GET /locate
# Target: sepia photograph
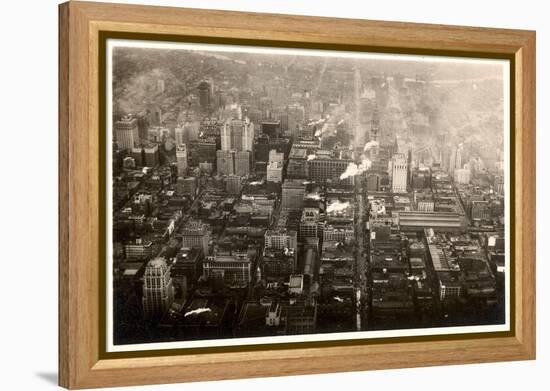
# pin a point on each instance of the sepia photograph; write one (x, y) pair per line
(262, 195)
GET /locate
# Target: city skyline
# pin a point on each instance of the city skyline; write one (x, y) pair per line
(303, 194)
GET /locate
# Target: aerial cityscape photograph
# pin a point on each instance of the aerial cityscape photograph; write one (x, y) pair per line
(265, 192)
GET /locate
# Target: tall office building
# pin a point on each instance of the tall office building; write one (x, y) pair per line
(242, 163)
(152, 155)
(276, 157)
(399, 173)
(499, 184)
(187, 131)
(147, 154)
(282, 117)
(158, 291)
(181, 158)
(297, 163)
(225, 163)
(237, 135)
(138, 250)
(205, 95)
(281, 239)
(309, 223)
(235, 270)
(455, 159)
(189, 186)
(462, 176)
(233, 162)
(196, 234)
(233, 184)
(237, 139)
(459, 157)
(293, 194)
(186, 186)
(296, 116)
(127, 133)
(274, 172)
(271, 128)
(329, 166)
(180, 135)
(200, 151)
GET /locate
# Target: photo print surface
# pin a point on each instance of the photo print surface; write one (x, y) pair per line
(263, 195)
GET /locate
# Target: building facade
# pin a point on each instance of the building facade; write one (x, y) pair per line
(233, 162)
(462, 176)
(127, 133)
(196, 234)
(158, 291)
(399, 173)
(233, 184)
(237, 135)
(181, 159)
(234, 270)
(281, 239)
(274, 172)
(138, 250)
(293, 194)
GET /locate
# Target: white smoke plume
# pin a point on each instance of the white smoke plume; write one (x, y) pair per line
(310, 157)
(313, 196)
(337, 206)
(197, 311)
(351, 170)
(354, 169)
(364, 166)
(370, 145)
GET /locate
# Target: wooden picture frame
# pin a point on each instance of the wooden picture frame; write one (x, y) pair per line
(81, 361)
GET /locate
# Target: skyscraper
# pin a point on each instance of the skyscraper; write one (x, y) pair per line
(462, 176)
(152, 155)
(274, 172)
(272, 128)
(399, 173)
(281, 239)
(455, 159)
(200, 151)
(242, 163)
(459, 156)
(180, 135)
(237, 135)
(233, 184)
(233, 162)
(158, 291)
(276, 157)
(181, 158)
(126, 132)
(205, 95)
(296, 115)
(196, 234)
(187, 131)
(225, 162)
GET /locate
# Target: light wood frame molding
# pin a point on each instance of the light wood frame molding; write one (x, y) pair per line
(80, 364)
